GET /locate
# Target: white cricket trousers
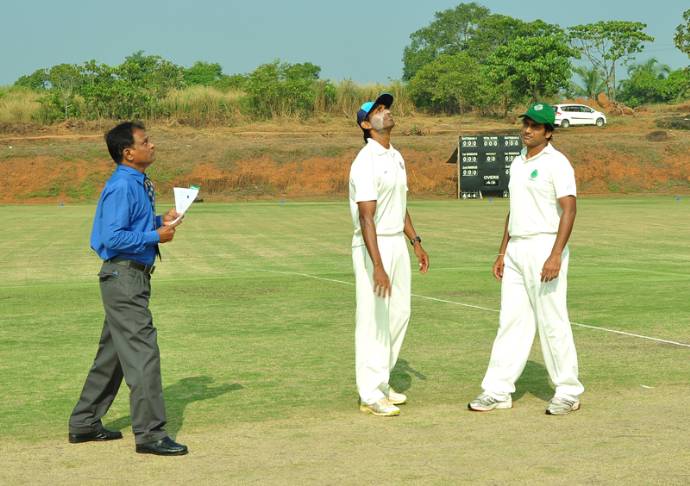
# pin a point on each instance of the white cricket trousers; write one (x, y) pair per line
(381, 323)
(527, 304)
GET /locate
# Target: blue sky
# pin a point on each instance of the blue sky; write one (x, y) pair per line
(358, 39)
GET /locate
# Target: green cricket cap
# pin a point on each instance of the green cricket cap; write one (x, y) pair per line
(541, 113)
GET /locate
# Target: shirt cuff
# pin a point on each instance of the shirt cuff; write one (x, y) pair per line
(151, 237)
(159, 221)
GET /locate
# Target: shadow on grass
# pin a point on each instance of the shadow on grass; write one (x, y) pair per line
(178, 396)
(401, 376)
(534, 380)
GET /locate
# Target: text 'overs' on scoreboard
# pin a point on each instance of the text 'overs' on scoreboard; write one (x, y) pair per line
(484, 164)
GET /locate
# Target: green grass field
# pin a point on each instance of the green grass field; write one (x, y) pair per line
(254, 305)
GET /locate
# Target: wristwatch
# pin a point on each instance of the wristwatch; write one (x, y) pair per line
(415, 239)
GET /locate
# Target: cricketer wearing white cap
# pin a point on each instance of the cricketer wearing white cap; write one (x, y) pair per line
(378, 203)
(532, 265)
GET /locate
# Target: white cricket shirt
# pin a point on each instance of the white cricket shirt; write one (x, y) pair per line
(535, 186)
(378, 174)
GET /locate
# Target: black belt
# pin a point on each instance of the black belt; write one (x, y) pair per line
(132, 264)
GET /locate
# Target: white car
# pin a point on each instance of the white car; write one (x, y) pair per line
(573, 114)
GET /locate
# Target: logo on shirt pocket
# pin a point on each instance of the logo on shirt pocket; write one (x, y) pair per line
(533, 176)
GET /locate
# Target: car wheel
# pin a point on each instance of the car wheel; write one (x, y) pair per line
(565, 123)
(600, 122)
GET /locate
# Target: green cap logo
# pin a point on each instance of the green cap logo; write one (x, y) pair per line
(541, 113)
(534, 174)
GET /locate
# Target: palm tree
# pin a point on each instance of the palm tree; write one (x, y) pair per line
(592, 83)
(650, 66)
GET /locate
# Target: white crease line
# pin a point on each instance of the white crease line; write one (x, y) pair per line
(586, 326)
(658, 340)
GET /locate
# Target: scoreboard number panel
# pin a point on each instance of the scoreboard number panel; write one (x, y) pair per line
(484, 164)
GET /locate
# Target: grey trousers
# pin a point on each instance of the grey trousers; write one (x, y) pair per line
(128, 348)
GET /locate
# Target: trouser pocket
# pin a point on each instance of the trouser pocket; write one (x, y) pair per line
(104, 275)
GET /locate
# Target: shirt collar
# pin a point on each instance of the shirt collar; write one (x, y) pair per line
(127, 170)
(377, 147)
(546, 151)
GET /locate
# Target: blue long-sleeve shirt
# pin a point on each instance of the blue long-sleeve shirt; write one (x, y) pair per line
(125, 224)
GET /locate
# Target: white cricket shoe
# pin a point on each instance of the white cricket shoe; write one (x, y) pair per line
(562, 406)
(396, 398)
(380, 408)
(485, 403)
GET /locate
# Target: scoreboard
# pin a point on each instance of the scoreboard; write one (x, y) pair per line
(484, 164)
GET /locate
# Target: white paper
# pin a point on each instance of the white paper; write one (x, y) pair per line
(184, 197)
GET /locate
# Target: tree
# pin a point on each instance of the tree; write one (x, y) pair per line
(38, 80)
(97, 89)
(592, 82)
(283, 89)
(153, 73)
(678, 85)
(530, 68)
(682, 37)
(65, 82)
(652, 82)
(496, 30)
(449, 33)
(605, 43)
(450, 83)
(203, 73)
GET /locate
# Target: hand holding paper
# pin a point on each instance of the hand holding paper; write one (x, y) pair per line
(183, 199)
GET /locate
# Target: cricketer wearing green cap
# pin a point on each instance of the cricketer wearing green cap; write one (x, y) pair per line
(532, 265)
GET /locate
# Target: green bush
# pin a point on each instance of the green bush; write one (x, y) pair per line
(449, 84)
(651, 82)
(284, 89)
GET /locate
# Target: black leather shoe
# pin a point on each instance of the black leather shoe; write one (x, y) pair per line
(164, 447)
(98, 435)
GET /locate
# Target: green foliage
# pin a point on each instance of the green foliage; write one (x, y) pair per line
(203, 73)
(233, 82)
(150, 87)
(468, 28)
(530, 68)
(605, 43)
(284, 89)
(91, 90)
(211, 74)
(151, 74)
(682, 36)
(497, 30)
(59, 105)
(38, 80)
(678, 85)
(451, 83)
(591, 82)
(447, 34)
(460, 61)
(651, 82)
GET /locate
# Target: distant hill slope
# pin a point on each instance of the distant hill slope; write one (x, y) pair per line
(312, 159)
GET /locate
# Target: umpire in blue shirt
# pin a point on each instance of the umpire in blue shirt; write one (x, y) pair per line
(126, 234)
